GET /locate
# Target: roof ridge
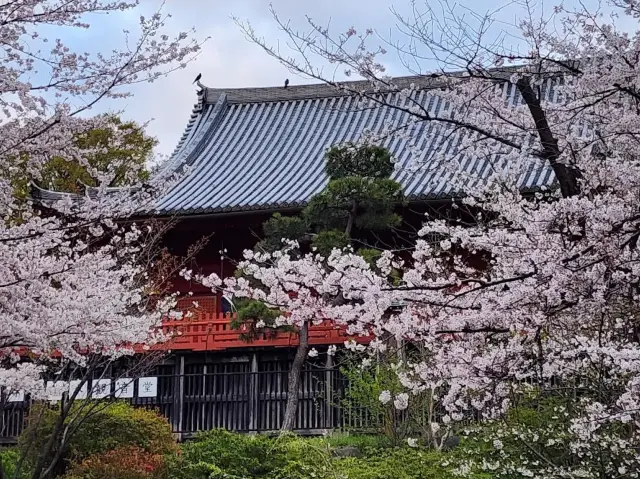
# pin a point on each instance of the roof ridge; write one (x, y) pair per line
(312, 90)
(335, 89)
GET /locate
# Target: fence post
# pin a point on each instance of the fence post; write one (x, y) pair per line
(254, 390)
(178, 396)
(328, 392)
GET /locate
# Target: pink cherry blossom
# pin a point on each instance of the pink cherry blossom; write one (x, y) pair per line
(73, 279)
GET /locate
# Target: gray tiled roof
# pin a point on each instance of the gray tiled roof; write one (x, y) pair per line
(263, 148)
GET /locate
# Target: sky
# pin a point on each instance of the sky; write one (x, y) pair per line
(228, 60)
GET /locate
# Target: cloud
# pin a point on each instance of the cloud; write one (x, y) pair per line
(228, 59)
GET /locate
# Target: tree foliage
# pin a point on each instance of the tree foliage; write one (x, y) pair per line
(120, 150)
(116, 154)
(103, 428)
(355, 160)
(359, 194)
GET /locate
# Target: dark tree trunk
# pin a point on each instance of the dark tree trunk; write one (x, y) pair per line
(352, 217)
(294, 379)
(567, 175)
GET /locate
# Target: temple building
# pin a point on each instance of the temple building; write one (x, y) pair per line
(248, 153)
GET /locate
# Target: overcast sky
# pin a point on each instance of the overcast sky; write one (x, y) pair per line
(229, 60)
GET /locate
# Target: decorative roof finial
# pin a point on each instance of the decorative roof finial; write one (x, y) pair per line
(197, 78)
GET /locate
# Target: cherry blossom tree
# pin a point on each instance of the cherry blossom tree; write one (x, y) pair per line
(74, 279)
(551, 308)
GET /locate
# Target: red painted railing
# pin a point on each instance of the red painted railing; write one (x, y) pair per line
(213, 332)
(208, 330)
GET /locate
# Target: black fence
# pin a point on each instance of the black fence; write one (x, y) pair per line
(243, 401)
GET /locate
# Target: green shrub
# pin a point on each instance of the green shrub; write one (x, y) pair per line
(10, 458)
(225, 455)
(361, 441)
(103, 427)
(221, 454)
(394, 463)
(218, 453)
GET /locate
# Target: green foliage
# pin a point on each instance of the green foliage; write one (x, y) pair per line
(326, 241)
(126, 157)
(256, 310)
(395, 463)
(103, 428)
(10, 458)
(221, 454)
(280, 227)
(250, 313)
(349, 159)
(370, 255)
(127, 462)
(362, 403)
(362, 398)
(226, 455)
(214, 453)
(360, 441)
(370, 202)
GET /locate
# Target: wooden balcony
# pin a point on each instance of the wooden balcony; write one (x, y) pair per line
(208, 330)
(213, 332)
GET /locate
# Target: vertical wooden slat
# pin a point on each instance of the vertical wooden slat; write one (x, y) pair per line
(203, 396)
(254, 385)
(328, 393)
(177, 395)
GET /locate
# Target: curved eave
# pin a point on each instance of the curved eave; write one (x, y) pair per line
(297, 206)
(43, 194)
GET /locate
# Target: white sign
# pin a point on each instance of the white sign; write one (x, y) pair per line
(17, 396)
(55, 390)
(147, 387)
(101, 388)
(124, 388)
(75, 386)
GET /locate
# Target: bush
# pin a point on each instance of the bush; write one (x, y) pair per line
(10, 458)
(360, 441)
(129, 462)
(395, 463)
(221, 454)
(213, 452)
(103, 427)
(225, 455)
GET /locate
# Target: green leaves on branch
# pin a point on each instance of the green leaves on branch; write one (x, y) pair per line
(280, 227)
(360, 195)
(369, 202)
(349, 159)
(326, 241)
(256, 318)
(125, 151)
